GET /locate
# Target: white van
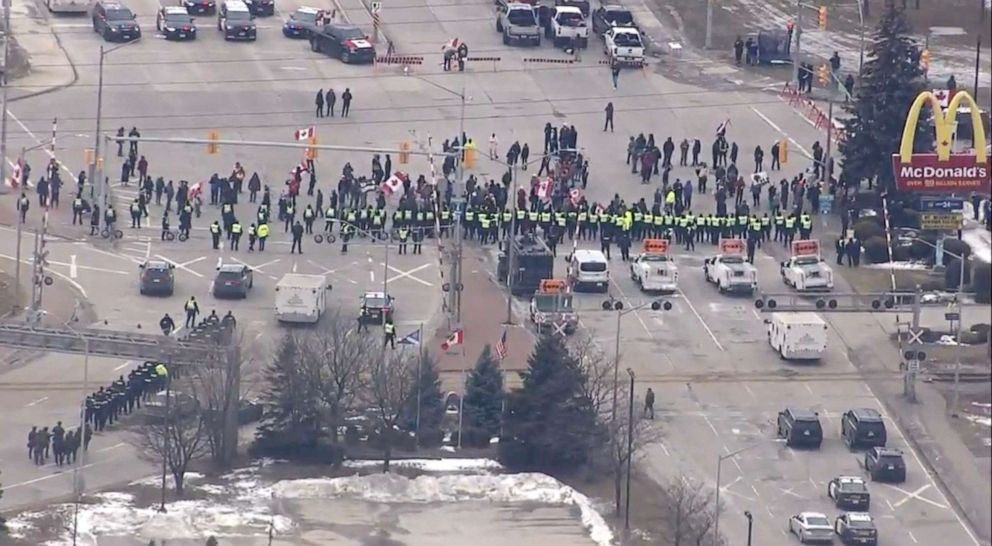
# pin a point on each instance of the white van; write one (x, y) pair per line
(301, 298)
(588, 269)
(797, 336)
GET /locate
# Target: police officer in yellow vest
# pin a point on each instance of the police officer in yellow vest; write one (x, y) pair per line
(309, 215)
(404, 235)
(236, 230)
(485, 223)
(263, 233)
(805, 226)
(790, 230)
(215, 234)
(389, 329)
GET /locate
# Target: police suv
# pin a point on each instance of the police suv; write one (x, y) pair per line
(236, 21)
(175, 23)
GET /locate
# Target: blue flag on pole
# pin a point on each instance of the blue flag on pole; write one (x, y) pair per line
(413, 338)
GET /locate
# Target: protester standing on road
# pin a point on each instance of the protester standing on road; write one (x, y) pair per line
(329, 99)
(120, 142)
(320, 103)
(609, 117)
(297, 245)
(133, 135)
(346, 102)
(649, 403)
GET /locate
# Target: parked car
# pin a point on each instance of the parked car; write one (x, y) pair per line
(609, 16)
(115, 22)
(849, 492)
(233, 280)
(856, 528)
(885, 464)
(346, 42)
(811, 527)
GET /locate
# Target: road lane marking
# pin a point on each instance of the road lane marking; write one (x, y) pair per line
(219, 262)
(46, 144)
(55, 272)
(779, 129)
(109, 448)
(124, 365)
(912, 537)
(916, 495)
(73, 272)
(36, 402)
(701, 321)
(408, 274)
(50, 476)
(294, 266)
(183, 266)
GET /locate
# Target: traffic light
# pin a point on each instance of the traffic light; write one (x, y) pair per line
(822, 17)
(404, 152)
(925, 60)
(783, 151)
(824, 75)
(213, 148)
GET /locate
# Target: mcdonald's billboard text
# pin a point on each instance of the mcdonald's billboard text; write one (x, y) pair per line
(927, 173)
(942, 171)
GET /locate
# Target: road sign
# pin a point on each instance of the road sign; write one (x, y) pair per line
(915, 336)
(376, 7)
(951, 317)
(941, 204)
(949, 221)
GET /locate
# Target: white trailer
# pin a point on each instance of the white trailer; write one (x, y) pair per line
(797, 336)
(68, 6)
(301, 298)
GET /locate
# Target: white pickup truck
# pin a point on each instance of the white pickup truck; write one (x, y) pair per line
(569, 27)
(805, 270)
(654, 270)
(729, 271)
(623, 46)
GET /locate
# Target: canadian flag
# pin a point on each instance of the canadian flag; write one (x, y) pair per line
(455, 338)
(305, 134)
(544, 188)
(394, 183)
(575, 196)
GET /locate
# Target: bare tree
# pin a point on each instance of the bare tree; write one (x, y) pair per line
(688, 514)
(218, 387)
(181, 437)
(340, 358)
(390, 380)
(599, 370)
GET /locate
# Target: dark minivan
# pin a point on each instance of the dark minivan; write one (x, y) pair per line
(863, 427)
(800, 427)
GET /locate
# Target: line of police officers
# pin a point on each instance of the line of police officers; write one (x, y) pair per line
(121, 397)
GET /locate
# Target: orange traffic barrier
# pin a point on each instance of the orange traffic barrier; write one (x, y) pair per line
(399, 59)
(553, 61)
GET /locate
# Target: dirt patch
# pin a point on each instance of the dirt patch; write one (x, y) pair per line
(9, 300)
(868, 280)
(974, 422)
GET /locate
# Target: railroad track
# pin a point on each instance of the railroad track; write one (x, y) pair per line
(786, 376)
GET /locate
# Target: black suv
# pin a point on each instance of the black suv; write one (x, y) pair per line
(885, 464)
(346, 42)
(156, 277)
(236, 22)
(800, 427)
(115, 22)
(196, 7)
(261, 7)
(862, 427)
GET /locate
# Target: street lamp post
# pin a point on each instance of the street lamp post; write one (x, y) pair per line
(617, 306)
(96, 170)
(719, 470)
(630, 449)
(750, 525)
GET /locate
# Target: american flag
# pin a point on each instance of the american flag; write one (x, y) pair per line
(501, 346)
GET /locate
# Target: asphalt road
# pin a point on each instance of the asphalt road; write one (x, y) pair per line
(264, 91)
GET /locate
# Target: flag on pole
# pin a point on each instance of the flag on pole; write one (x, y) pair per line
(722, 128)
(456, 337)
(413, 338)
(306, 133)
(501, 346)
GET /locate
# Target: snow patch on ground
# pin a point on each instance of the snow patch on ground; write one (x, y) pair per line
(947, 340)
(979, 420)
(914, 266)
(433, 465)
(156, 480)
(979, 241)
(509, 488)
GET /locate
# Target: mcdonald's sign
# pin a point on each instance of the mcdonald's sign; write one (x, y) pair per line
(942, 171)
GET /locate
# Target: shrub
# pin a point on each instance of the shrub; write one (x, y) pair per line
(953, 274)
(876, 250)
(431, 438)
(351, 435)
(981, 332)
(981, 282)
(868, 228)
(902, 254)
(906, 218)
(921, 251)
(971, 338)
(475, 437)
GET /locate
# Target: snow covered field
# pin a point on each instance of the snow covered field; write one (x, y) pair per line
(450, 500)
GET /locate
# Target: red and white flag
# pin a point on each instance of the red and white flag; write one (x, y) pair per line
(722, 128)
(575, 196)
(305, 134)
(544, 188)
(394, 183)
(455, 338)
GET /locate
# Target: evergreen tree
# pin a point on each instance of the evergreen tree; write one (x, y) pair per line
(431, 402)
(292, 404)
(483, 404)
(891, 80)
(550, 424)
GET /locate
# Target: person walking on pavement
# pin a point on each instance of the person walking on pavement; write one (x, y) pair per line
(320, 103)
(263, 234)
(167, 324)
(759, 159)
(609, 117)
(133, 135)
(297, 238)
(32, 435)
(363, 315)
(192, 309)
(346, 102)
(615, 74)
(120, 142)
(236, 230)
(738, 50)
(23, 204)
(215, 231)
(649, 404)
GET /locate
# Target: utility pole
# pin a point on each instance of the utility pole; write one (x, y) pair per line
(912, 356)
(96, 170)
(510, 240)
(709, 24)
(830, 132)
(796, 57)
